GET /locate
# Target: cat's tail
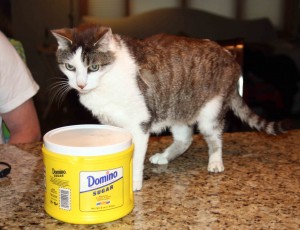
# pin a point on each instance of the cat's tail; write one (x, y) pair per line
(242, 110)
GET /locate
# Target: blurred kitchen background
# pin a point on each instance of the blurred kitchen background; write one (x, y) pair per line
(264, 34)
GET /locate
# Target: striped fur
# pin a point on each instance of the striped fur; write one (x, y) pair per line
(242, 110)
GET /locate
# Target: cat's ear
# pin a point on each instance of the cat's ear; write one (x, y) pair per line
(63, 37)
(104, 39)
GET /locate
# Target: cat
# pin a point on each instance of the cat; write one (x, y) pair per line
(146, 86)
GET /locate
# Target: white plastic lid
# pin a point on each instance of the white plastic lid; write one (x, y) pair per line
(87, 140)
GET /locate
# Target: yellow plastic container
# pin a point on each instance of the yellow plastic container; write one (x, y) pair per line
(88, 173)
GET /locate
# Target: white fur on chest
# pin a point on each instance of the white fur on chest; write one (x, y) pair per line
(117, 100)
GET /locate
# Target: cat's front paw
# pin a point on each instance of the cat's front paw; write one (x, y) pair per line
(137, 185)
(159, 159)
(215, 167)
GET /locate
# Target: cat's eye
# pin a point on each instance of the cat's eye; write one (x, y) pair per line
(70, 67)
(94, 68)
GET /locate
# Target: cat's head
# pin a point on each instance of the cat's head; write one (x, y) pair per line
(84, 55)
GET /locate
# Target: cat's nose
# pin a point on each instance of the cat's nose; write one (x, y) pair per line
(81, 86)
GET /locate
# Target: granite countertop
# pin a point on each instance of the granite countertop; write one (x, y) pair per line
(260, 188)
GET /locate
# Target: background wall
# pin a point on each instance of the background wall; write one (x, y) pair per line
(226, 8)
(273, 9)
(138, 7)
(107, 9)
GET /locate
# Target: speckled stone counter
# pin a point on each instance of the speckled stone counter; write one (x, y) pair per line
(260, 188)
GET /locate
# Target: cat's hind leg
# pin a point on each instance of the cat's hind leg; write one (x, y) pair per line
(211, 124)
(182, 135)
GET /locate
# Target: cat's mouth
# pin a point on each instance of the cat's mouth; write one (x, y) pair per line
(83, 91)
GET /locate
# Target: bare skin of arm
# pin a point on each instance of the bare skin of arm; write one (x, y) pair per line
(23, 123)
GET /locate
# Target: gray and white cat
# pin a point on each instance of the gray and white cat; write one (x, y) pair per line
(147, 85)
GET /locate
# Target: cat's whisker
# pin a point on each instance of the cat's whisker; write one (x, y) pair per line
(56, 79)
(58, 91)
(61, 94)
(56, 86)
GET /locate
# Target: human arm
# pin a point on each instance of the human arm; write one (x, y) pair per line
(23, 123)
